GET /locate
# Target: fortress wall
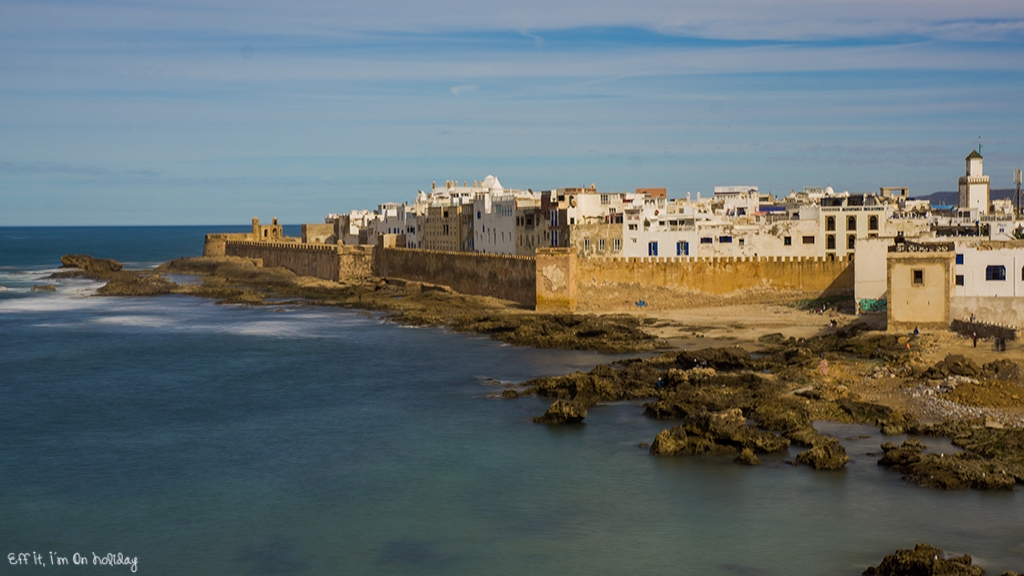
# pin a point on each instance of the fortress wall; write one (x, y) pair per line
(500, 275)
(215, 243)
(317, 260)
(602, 283)
(355, 262)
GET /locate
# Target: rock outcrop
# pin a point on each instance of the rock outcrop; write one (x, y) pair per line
(716, 433)
(952, 365)
(924, 560)
(948, 471)
(44, 288)
(133, 284)
(90, 265)
(563, 412)
(826, 453)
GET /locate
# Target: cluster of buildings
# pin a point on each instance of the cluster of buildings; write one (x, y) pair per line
(978, 236)
(735, 221)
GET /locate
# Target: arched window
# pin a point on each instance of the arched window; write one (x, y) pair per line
(873, 223)
(830, 242)
(851, 223)
(830, 223)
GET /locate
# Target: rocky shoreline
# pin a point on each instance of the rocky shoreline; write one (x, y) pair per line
(719, 400)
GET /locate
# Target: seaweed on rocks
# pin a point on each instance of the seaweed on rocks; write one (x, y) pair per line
(716, 433)
(826, 453)
(563, 412)
(947, 471)
(924, 560)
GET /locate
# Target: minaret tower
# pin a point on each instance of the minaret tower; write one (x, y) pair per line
(974, 187)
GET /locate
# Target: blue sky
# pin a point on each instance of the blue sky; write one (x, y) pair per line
(212, 112)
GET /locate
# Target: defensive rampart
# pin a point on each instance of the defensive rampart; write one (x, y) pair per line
(317, 260)
(500, 275)
(567, 282)
(215, 244)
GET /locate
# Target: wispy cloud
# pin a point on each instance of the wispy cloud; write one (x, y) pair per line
(457, 90)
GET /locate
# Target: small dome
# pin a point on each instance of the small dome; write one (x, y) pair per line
(829, 190)
(492, 184)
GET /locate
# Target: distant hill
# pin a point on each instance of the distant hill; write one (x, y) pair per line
(951, 198)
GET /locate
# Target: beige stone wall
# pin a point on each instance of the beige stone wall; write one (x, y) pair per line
(556, 272)
(923, 304)
(499, 275)
(318, 234)
(994, 310)
(355, 262)
(215, 243)
(319, 261)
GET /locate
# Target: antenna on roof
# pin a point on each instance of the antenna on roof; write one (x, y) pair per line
(979, 144)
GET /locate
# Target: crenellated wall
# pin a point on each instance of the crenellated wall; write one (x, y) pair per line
(555, 279)
(603, 283)
(317, 260)
(500, 275)
(214, 244)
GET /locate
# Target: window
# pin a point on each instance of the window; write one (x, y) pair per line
(873, 223)
(725, 239)
(851, 222)
(586, 243)
(600, 244)
(706, 240)
(605, 199)
(617, 244)
(959, 279)
(808, 239)
(787, 241)
(554, 236)
(554, 218)
(959, 258)
(682, 248)
(851, 241)
(830, 242)
(572, 221)
(830, 223)
(652, 248)
(477, 214)
(918, 277)
(632, 226)
(995, 273)
(741, 242)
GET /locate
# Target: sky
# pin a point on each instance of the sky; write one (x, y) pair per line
(129, 112)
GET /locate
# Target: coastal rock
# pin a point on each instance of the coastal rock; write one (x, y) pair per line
(947, 471)
(825, 454)
(562, 412)
(44, 288)
(924, 560)
(748, 457)
(90, 265)
(128, 284)
(903, 457)
(716, 433)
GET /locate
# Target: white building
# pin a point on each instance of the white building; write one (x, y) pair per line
(975, 193)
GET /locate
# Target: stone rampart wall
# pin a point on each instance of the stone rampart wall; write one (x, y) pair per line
(317, 260)
(215, 243)
(604, 283)
(355, 262)
(500, 275)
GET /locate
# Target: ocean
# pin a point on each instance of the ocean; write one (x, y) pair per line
(196, 438)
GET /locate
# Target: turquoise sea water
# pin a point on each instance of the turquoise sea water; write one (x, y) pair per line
(206, 439)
